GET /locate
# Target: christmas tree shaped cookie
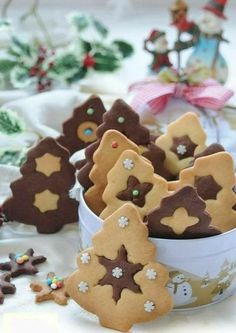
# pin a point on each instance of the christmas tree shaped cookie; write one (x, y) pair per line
(115, 280)
(184, 139)
(41, 196)
(112, 145)
(214, 178)
(124, 119)
(132, 179)
(181, 215)
(80, 130)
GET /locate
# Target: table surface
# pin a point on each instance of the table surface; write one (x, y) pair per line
(62, 247)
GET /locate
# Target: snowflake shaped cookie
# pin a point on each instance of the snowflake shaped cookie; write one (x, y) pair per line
(128, 164)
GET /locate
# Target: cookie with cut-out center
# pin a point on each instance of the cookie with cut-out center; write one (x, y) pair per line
(115, 280)
(182, 215)
(111, 146)
(213, 177)
(184, 139)
(52, 290)
(132, 179)
(80, 130)
(41, 196)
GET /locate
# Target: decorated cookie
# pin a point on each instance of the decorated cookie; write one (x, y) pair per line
(22, 263)
(112, 145)
(132, 179)
(122, 118)
(6, 287)
(47, 177)
(184, 139)
(181, 215)
(115, 280)
(157, 157)
(213, 177)
(80, 130)
(53, 289)
(210, 150)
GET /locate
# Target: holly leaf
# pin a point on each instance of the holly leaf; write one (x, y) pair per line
(19, 77)
(79, 75)
(100, 28)
(79, 21)
(106, 62)
(6, 65)
(13, 157)
(124, 48)
(19, 48)
(65, 66)
(10, 122)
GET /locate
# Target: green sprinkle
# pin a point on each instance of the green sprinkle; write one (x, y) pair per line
(121, 120)
(90, 111)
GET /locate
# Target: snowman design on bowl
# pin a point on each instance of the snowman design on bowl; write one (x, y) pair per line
(180, 289)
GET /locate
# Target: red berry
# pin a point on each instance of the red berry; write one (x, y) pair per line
(89, 61)
(42, 73)
(33, 71)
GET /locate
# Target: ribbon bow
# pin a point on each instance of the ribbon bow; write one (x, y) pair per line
(209, 94)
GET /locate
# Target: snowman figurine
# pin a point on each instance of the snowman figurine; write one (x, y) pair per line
(207, 46)
(157, 45)
(180, 289)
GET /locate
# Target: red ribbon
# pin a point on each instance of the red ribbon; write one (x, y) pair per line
(210, 95)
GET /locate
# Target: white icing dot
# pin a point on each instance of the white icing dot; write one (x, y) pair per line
(83, 287)
(151, 274)
(123, 221)
(53, 286)
(128, 164)
(85, 258)
(149, 306)
(117, 272)
(181, 149)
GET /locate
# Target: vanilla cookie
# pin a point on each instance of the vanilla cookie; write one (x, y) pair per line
(213, 177)
(184, 139)
(115, 280)
(132, 179)
(111, 146)
(182, 215)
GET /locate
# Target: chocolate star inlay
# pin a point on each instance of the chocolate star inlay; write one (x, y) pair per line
(24, 268)
(207, 187)
(5, 286)
(135, 191)
(183, 147)
(126, 280)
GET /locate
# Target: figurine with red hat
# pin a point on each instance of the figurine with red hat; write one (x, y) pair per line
(207, 47)
(157, 45)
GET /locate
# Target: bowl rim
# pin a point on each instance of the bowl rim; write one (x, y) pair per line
(211, 239)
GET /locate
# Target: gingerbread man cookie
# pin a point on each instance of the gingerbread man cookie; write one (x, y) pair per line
(115, 280)
(112, 145)
(181, 215)
(22, 264)
(80, 130)
(6, 287)
(124, 119)
(136, 183)
(213, 177)
(184, 139)
(53, 289)
(47, 177)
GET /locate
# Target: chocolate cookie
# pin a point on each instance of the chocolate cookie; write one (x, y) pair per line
(181, 215)
(47, 177)
(80, 130)
(22, 264)
(5, 286)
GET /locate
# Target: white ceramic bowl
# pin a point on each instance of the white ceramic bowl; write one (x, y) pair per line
(202, 271)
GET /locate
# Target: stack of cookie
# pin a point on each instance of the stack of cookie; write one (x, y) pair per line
(176, 182)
